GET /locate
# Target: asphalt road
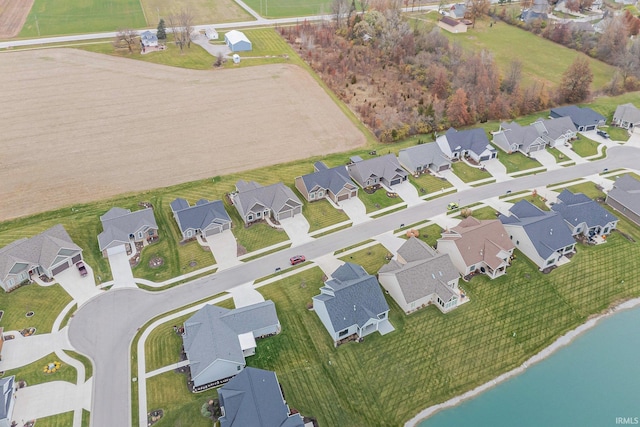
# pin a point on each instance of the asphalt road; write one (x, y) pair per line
(104, 326)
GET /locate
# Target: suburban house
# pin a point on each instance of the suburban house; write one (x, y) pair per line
(211, 33)
(351, 304)
(148, 39)
(452, 25)
(423, 158)
(45, 254)
(377, 171)
(556, 131)
(420, 276)
(458, 10)
(626, 116)
(332, 183)
(478, 246)
(123, 227)
(625, 197)
(7, 388)
(584, 216)
(512, 137)
(254, 398)
(216, 340)
(205, 218)
(473, 143)
(585, 118)
(237, 41)
(255, 202)
(542, 236)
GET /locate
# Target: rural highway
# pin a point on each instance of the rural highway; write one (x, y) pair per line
(104, 327)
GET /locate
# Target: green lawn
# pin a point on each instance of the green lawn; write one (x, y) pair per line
(617, 134)
(59, 420)
(558, 155)
(606, 105)
(584, 146)
(321, 214)
(88, 366)
(429, 234)
(45, 302)
(468, 174)
(378, 200)
(371, 258)
(517, 162)
(486, 212)
(544, 62)
(587, 188)
(33, 373)
(86, 418)
(534, 200)
(429, 183)
(287, 8)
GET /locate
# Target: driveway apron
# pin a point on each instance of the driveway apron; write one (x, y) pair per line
(121, 271)
(355, 210)
(297, 228)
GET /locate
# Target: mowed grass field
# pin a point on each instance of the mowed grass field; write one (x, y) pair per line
(287, 8)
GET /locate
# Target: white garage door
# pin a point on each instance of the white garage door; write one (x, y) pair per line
(117, 250)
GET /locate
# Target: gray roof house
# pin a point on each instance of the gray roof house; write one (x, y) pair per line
(7, 400)
(351, 304)
(254, 398)
(324, 182)
(541, 235)
(473, 143)
(420, 276)
(121, 227)
(47, 253)
(216, 340)
(377, 170)
(625, 197)
(457, 11)
(255, 202)
(626, 116)
(556, 131)
(205, 217)
(512, 137)
(584, 216)
(148, 39)
(423, 158)
(530, 15)
(585, 118)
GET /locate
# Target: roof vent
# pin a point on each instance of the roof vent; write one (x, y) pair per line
(440, 272)
(354, 307)
(433, 275)
(551, 231)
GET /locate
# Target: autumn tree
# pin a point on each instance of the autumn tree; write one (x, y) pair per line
(477, 8)
(576, 82)
(458, 109)
(513, 77)
(339, 9)
(613, 40)
(126, 38)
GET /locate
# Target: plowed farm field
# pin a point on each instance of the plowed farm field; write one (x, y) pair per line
(13, 13)
(79, 127)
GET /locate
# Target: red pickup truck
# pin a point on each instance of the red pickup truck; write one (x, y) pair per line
(82, 268)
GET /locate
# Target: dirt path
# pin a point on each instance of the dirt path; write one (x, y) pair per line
(84, 126)
(13, 14)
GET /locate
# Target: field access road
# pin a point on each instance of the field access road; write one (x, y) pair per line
(104, 327)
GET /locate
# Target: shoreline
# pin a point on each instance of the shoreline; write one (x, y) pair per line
(559, 343)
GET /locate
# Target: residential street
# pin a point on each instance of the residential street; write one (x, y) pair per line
(103, 328)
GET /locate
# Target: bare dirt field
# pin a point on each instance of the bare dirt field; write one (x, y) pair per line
(79, 126)
(13, 13)
(204, 11)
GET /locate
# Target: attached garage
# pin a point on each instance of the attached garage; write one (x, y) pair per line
(443, 168)
(396, 181)
(116, 250)
(76, 258)
(285, 214)
(60, 268)
(343, 197)
(484, 158)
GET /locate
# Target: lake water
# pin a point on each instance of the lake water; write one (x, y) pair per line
(593, 382)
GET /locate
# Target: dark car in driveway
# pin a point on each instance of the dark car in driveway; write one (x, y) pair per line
(602, 133)
(82, 268)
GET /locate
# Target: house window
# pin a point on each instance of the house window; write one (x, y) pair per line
(151, 233)
(605, 231)
(550, 262)
(312, 196)
(517, 242)
(258, 214)
(382, 316)
(249, 217)
(189, 233)
(9, 283)
(343, 332)
(140, 235)
(239, 368)
(472, 268)
(320, 194)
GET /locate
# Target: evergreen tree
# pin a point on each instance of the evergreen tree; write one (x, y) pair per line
(162, 30)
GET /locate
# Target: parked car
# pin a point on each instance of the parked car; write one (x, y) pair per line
(82, 268)
(297, 259)
(453, 205)
(602, 133)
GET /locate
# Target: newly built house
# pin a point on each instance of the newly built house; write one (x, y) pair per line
(625, 197)
(255, 202)
(383, 170)
(205, 218)
(123, 228)
(424, 158)
(584, 216)
(585, 119)
(472, 143)
(324, 182)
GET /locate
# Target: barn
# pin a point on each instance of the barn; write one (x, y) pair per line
(237, 41)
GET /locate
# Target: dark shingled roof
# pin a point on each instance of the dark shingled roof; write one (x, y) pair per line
(472, 139)
(333, 179)
(580, 116)
(626, 191)
(199, 216)
(578, 208)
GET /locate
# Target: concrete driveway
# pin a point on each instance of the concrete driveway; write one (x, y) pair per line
(390, 242)
(80, 288)
(51, 398)
(22, 351)
(454, 180)
(546, 159)
(407, 192)
(121, 270)
(496, 169)
(328, 263)
(224, 248)
(245, 295)
(355, 210)
(568, 152)
(297, 228)
(213, 49)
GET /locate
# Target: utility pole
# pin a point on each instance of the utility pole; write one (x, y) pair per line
(37, 26)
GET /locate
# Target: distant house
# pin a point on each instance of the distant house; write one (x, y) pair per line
(332, 183)
(584, 216)
(583, 27)
(530, 15)
(423, 158)
(457, 11)
(556, 131)
(512, 137)
(626, 116)
(254, 398)
(45, 254)
(216, 340)
(205, 217)
(377, 171)
(478, 246)
(237, 41)
(7, 400)
(211, 33)
(351, 304)
(123, 228)
(625, 197)
(148, 39)
(473, 143)
(585, 119)
(452, 25)
(255, 202)
(420, 276)
(542, 236)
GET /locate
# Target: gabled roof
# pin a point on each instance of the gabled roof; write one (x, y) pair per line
(424, 273)
(458, 10)
(523, 136)
(626, 191)
(235, 36)
(472, 139)
(578, 208)
(386, 167)
(148, 37)
(201, 215)
(480, 241)
(118, 224)
(40, 250)
(555, 128)
(6, 387)
(275, 197)
(423, 154)
(352, 296)
(627, 112)
(334, 179)
(212, 333)
(540, 6)
(253, 398)
(580, 116)
(546, 230)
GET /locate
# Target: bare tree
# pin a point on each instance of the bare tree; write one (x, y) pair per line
(181, 25)
(339, 8)
(172, 21)
(364, 5)
(477, 8)
(126, 38)
(512, 80)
